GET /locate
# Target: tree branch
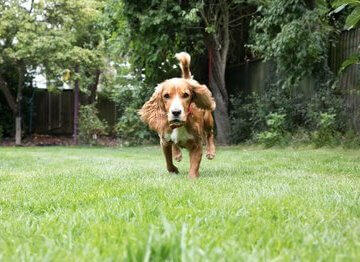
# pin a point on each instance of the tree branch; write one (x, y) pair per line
(226, 37)
(9, 98)
(241, 17)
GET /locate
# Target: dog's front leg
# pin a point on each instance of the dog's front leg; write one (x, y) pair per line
(195, 159)
(167, 149)
(176, 153)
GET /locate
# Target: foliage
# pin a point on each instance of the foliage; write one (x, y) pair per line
(6, 118)
(351, 140)
(249, 114)
(52, 37)
(294, 36)
(52, 34)
(352, 60)
(90, 126)
(156, 31)
(1, 133)
(131, 130)
(353, 18)
(352, 21)
(326, 133)
(129, 92)
(275, 134)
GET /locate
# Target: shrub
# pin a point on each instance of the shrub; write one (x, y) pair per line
(90, 126)
(1, 133)
(249, 114)
(351, 140)
(300, 138)
(129, 92)
(276, 134)
(326, 133)
(131, 130)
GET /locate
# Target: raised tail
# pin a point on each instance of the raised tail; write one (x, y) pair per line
(184, 59)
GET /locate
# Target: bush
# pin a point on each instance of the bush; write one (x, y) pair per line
(276, 134)
(129, 92)
(351, 140)
(131, 130)
(1, 133)
(249, 114)
(326, 133)
(90, 126)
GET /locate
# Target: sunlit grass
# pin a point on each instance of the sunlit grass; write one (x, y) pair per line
(120, 204)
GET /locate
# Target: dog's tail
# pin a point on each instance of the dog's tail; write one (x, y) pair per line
(184, 59)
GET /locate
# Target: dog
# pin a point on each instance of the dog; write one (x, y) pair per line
(180, 112)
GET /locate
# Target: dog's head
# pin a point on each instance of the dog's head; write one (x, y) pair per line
(171, 101)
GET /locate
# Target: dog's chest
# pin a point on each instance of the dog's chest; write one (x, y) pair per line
(179, 135)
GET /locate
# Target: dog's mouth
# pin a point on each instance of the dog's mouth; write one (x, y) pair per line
(176, 123)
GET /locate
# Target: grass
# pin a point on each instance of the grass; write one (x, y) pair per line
(101, 204)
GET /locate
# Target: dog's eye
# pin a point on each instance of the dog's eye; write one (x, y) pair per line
(186, 95)
(166, 96)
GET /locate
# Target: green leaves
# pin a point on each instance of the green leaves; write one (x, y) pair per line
(353, 18)
(295, 37)
(54, 35)
(352, 60)
(339, 3)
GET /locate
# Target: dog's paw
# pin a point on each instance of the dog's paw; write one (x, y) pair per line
(210, 156)
(178, 158)
(173, 169)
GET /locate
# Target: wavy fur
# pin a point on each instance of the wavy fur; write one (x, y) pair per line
(153, 112)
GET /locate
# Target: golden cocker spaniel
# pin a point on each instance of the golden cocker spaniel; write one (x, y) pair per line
(180, 112)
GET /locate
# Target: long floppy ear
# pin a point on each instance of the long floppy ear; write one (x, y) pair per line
(153, 111)
(202, 96)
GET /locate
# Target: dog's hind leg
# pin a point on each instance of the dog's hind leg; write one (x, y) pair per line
(176, 152)
(210, 145)
(209, 133)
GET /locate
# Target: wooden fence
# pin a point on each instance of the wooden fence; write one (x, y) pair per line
(54, 112)
(349, 44)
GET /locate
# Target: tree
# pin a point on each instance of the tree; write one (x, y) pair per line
(20, 35)
(54, 35)
(219, 17)
(159, 29)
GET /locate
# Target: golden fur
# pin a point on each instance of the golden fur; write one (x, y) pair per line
(196, 102)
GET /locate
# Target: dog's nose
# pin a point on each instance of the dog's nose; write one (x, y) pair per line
(176, 112)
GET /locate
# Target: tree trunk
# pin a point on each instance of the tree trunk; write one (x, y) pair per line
(76, 107)
(18, 130)
(93, 87)
(216, 14)
(218, 88)
(19, 97)
(8, 96)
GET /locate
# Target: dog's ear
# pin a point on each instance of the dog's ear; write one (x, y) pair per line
(153, 111)
(202, 96)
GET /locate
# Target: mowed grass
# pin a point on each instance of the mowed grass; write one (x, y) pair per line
(102, 204)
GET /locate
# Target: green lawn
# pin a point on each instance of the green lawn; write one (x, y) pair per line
(250, 204)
